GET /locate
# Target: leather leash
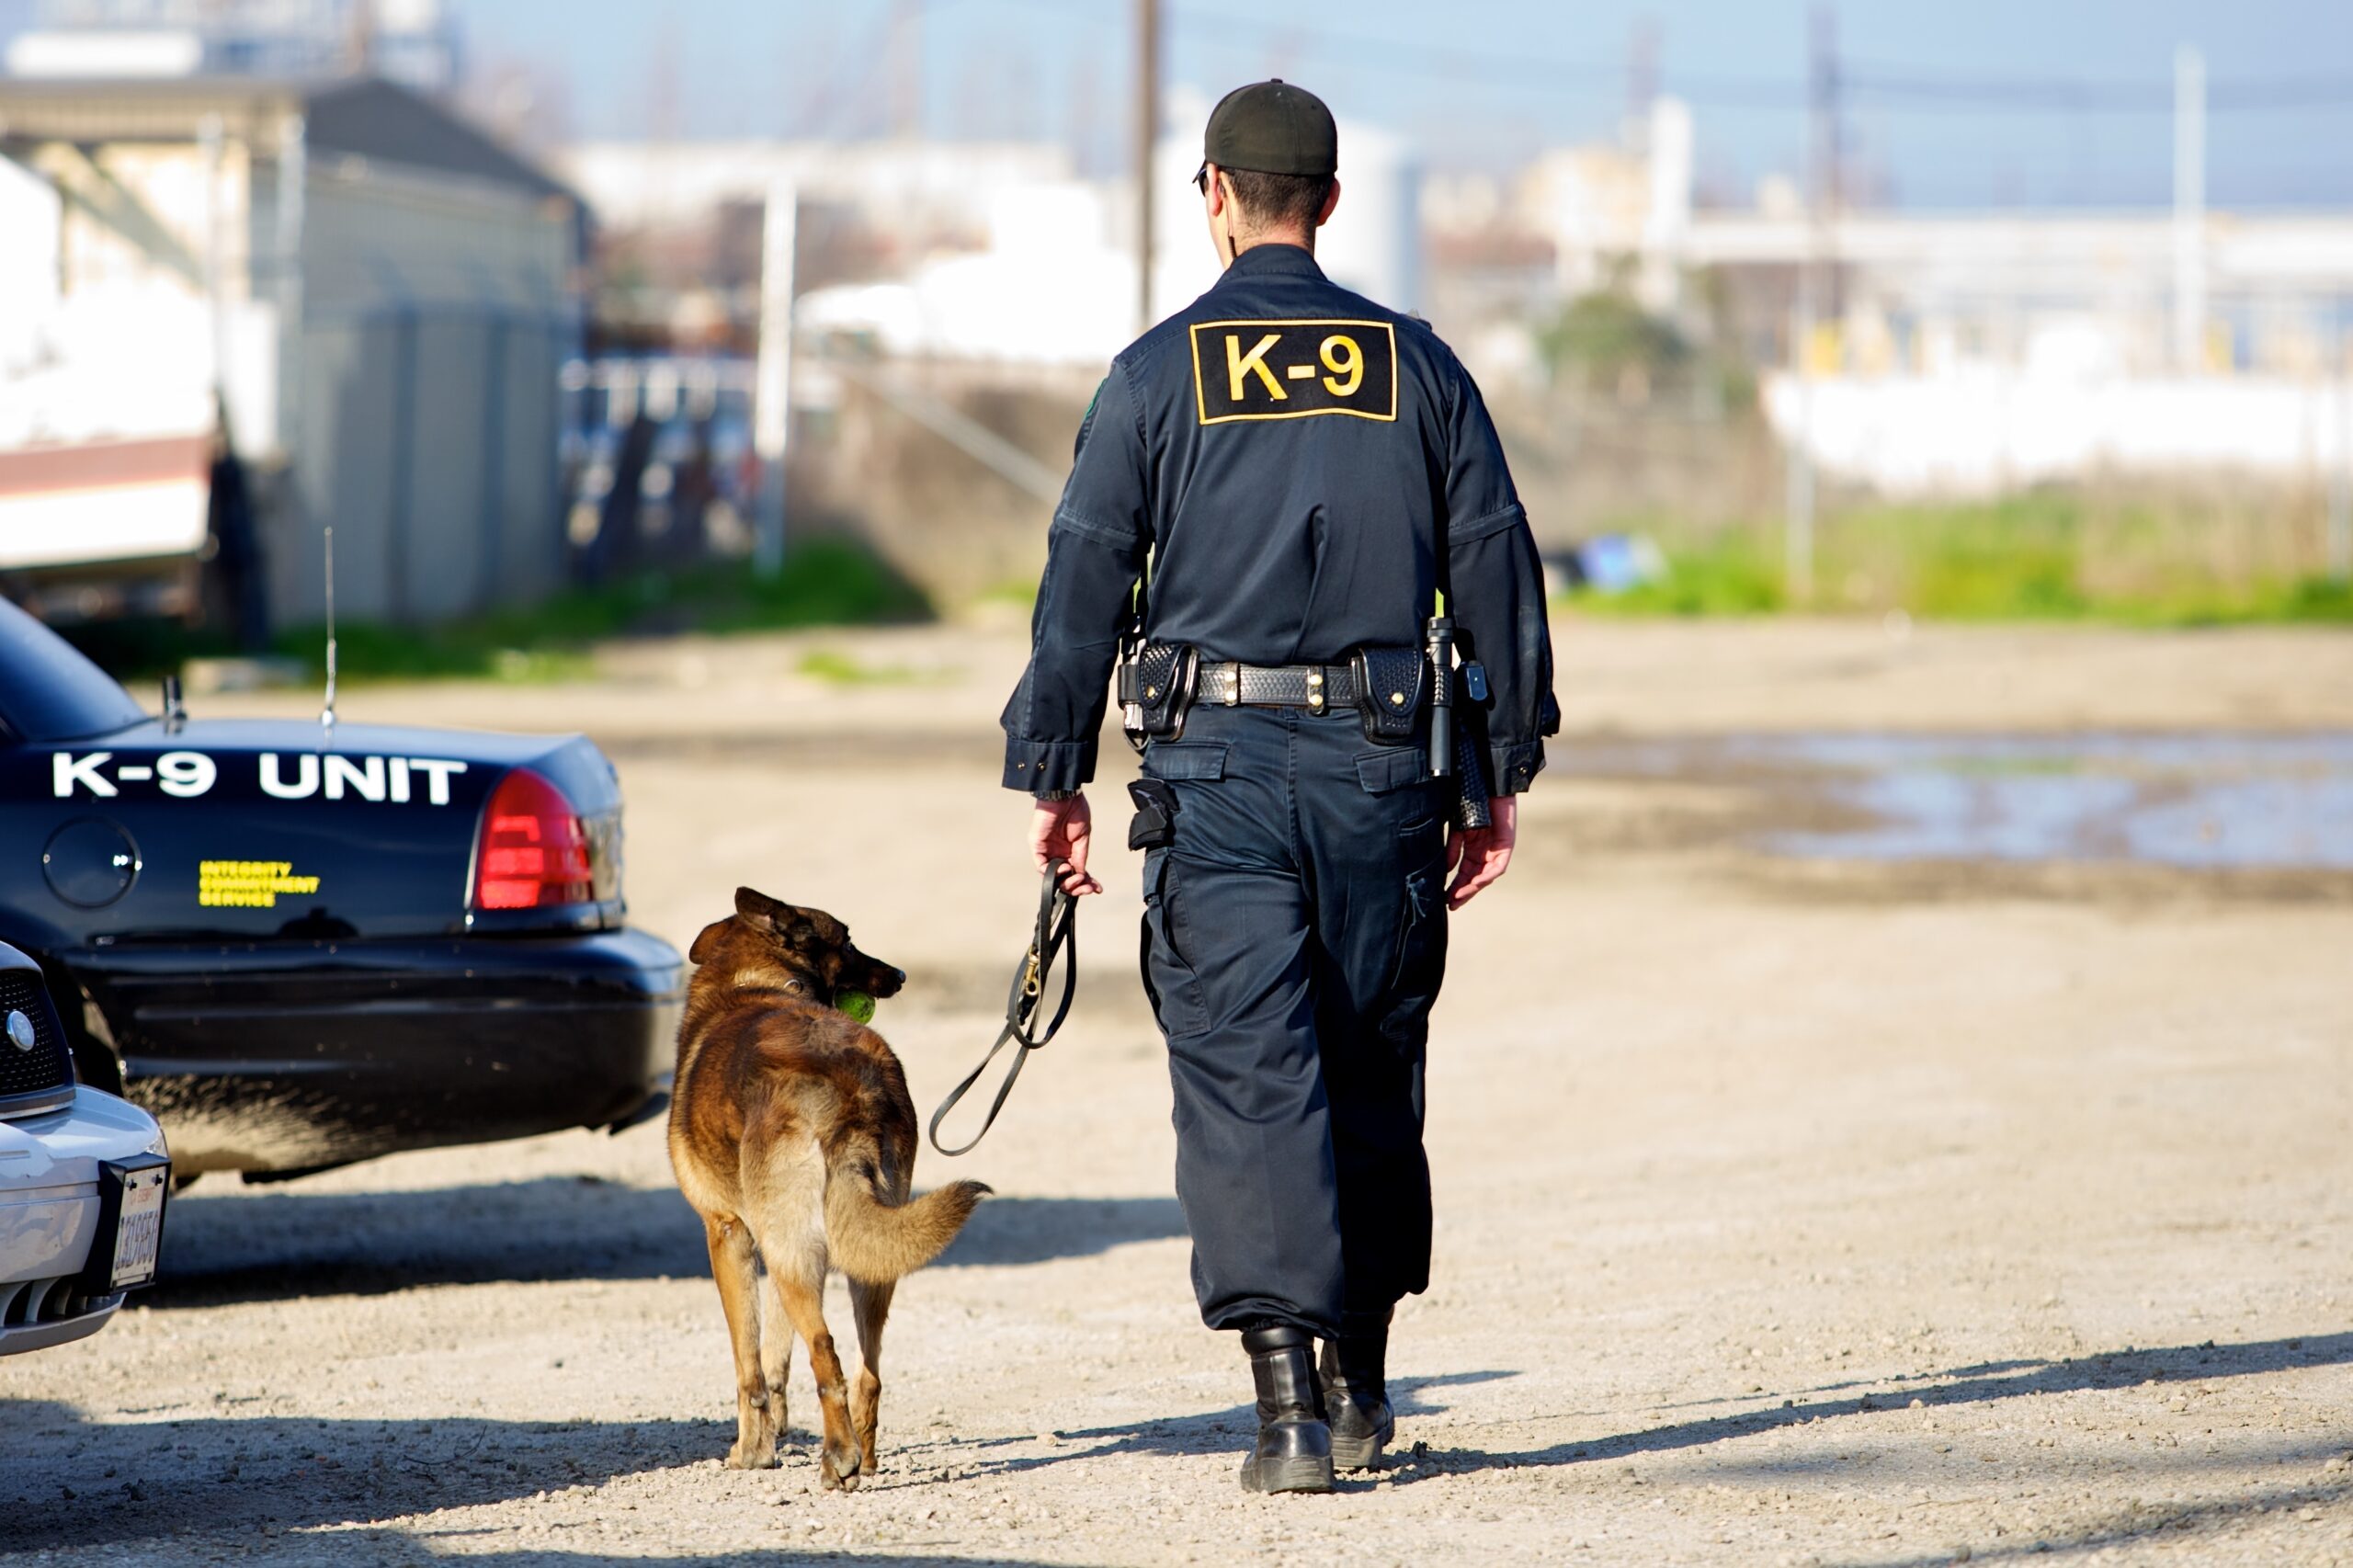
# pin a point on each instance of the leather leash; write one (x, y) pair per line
(1054, 942)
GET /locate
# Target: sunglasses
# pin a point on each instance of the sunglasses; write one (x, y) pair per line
(1201, 178)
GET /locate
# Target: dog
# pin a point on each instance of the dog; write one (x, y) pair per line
(793, 1137)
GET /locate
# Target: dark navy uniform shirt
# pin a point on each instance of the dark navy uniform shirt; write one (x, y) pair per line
(1305, 470)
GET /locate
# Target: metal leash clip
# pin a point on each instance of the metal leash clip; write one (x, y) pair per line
(1054, 943)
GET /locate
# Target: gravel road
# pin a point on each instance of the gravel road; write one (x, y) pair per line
(1788, 1212)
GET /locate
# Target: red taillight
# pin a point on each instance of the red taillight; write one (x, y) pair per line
(534, 850)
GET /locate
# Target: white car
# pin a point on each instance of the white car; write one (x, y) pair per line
(83, 1178)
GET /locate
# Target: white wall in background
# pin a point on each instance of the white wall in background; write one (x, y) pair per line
(1983, 430)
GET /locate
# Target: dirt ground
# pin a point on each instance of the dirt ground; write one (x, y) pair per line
(1841, 1215)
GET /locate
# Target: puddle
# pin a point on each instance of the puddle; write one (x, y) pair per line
(2194, 802)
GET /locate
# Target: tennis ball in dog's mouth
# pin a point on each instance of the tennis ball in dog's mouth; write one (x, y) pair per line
(856, 1004)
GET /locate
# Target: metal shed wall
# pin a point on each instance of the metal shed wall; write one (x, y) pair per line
(435, 316)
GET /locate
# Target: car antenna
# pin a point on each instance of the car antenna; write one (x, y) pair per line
(327, 715)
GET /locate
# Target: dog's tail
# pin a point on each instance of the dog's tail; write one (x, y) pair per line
(875, 1243)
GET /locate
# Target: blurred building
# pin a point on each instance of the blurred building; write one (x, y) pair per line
(986, 251)
(413, 42)
(375, 299)
(1981, 353)
(1946, 351)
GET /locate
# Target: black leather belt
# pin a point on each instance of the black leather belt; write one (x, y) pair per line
(1319, 688)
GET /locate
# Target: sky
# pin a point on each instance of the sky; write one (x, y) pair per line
(2062, 102)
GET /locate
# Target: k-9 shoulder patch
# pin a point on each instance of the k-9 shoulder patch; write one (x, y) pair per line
(1291, 369)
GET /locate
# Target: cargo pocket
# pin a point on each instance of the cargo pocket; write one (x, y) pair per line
(1170, 982)
(1421, 943)
(1184, 759)
(1381, 772)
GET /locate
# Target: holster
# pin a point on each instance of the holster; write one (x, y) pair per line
(1390, 685)
(1155, 687)
(1154, 824)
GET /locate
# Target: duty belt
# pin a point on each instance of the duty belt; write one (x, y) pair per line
(1317, 687)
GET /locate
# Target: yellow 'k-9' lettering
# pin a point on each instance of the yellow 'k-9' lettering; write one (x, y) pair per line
(1294, 370)
(1345, 360)
(1237, 362)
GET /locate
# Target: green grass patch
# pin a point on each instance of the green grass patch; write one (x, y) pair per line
(1020, 592)
(838, 668)
(1733, 576)
(825, 582)
(2031, 558)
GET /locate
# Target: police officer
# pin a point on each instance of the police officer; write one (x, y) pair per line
(1287, 476)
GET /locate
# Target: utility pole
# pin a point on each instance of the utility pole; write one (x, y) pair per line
(1147, 139)
(772, 373)
(906, 69)
(1642, 82)
(1820, 259)
(212, 148)
(2189, 210)
(2340, 488)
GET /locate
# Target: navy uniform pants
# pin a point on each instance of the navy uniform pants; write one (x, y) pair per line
(1294, 937)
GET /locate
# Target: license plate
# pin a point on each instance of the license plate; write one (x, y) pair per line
(138, 1226)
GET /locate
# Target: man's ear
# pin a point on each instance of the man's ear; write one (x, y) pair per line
(1331, 201)
(705, 944)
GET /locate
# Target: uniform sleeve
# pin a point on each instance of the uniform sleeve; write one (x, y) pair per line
(1095, 552)
(1495, 591)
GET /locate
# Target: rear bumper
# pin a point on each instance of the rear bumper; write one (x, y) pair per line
(288, 1057)
(15, 1339)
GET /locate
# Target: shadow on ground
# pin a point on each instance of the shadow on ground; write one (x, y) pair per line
(286, 1243)
(399, 1549)
(1966, 1385)
(2183, 1522)
(66, 1485)
(1221, 1430)
(74, 1486)
(71, 1483)
(1211, 1432)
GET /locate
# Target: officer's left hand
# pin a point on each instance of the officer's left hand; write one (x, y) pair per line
(1477, 856)
(1062, 830)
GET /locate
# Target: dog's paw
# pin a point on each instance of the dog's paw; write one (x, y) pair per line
(762, 1457)
(838, 1468)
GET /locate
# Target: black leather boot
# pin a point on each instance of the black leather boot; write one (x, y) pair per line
(1294, 1448)
(1356, 1391)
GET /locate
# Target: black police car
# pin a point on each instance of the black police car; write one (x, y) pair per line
(302, 945)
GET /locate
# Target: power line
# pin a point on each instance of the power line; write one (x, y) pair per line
(1889, 85)
(1412, 58)
(1910, 87)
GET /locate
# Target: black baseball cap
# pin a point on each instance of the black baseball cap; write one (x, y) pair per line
(1272, 128)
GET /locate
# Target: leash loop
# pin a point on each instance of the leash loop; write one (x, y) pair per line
(1053, 945)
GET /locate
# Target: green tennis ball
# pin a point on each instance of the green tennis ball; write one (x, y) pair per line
(856, 1004)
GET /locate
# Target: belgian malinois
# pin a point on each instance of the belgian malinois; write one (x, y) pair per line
(793, 1137)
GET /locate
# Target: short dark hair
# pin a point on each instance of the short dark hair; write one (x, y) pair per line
(1280, 200)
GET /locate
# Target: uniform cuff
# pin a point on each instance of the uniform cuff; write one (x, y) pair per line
(1032, 767)
(1512, 768)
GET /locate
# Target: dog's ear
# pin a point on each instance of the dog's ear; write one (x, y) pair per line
(760, 909)
(707, 942)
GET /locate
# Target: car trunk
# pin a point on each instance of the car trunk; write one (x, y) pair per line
(252, 831)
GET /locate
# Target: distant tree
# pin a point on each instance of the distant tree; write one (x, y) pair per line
(1606, 340)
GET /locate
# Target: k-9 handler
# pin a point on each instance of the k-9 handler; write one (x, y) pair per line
(1302, 493)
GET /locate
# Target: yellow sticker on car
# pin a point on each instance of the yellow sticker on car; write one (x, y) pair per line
(248, 884)
(1294, 370)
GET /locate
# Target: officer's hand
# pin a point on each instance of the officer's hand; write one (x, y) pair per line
(1061, 830)
(1476, 857)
